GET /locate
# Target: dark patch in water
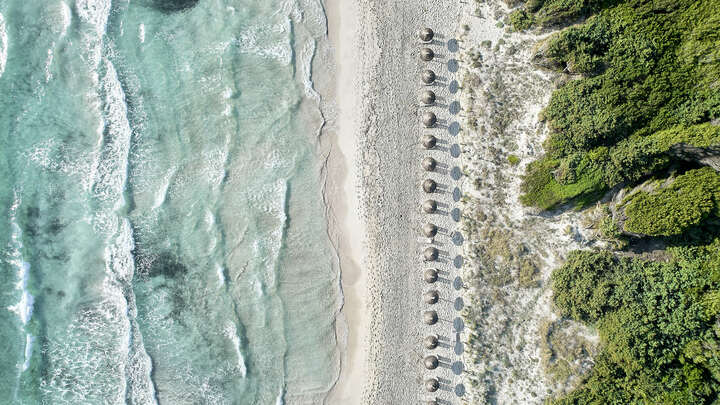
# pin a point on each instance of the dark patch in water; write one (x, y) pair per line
(174, 6)
(32, 213)
(177, 302)
(166, 264)
(178, 305)
(55, 226)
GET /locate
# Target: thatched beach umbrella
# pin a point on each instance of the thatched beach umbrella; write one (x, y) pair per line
(430, 317)
(429, 119)
(430, 206)
(431, 254)
(427, 97)
(429, 164)
(429, 185)
(430, 230)
(427, 54)
(426, 34)
(430, 276)
(430, 342)
(432, 385)
(429, 141)
(428, 76)
(431, 297)
(431, 362)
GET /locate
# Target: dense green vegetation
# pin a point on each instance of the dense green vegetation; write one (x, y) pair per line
(648, 81)
(641, 112)
(689, 200)
(657, 322)
(547, 13)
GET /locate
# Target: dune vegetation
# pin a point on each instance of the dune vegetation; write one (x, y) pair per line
(635, 124)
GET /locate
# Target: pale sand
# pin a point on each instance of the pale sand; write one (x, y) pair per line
(373, 181)
(341, 194)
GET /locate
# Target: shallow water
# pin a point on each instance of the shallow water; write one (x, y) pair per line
(163, 235)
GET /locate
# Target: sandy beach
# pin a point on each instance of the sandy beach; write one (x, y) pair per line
(374, 165)
(342, 190)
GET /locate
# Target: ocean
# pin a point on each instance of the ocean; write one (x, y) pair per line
(163, 233)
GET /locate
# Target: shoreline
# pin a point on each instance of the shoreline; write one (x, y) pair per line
(345, 227)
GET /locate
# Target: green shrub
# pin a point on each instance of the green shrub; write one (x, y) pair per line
(521, 20)
(649, 81)
(513, 160)
(646, 90)
(658, 344)
(541, 189)
(671, 210)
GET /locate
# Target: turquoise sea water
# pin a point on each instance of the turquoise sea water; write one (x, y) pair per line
(163, 236)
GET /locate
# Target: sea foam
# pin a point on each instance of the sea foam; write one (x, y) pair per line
(24, 307)
(3, 44)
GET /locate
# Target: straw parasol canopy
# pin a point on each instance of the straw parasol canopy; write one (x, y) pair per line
(429, 185)
(428, 76)
(430, 317)
(429, 164)
(431, 362)
(426, 34)
(429, 119)
(430, 342)
(430, 206)
(427, 54)
(430, 230)
(429, 141)
(432, 385)
(427, 97)
(431, 254)
(430, 276)
(431, 297)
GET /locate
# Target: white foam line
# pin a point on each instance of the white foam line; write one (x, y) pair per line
(24, 307)
(232, 334)
(29, 339)
(3, 44)
(66, 18)
(308, 53)
(48, 63)
(254, 41)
